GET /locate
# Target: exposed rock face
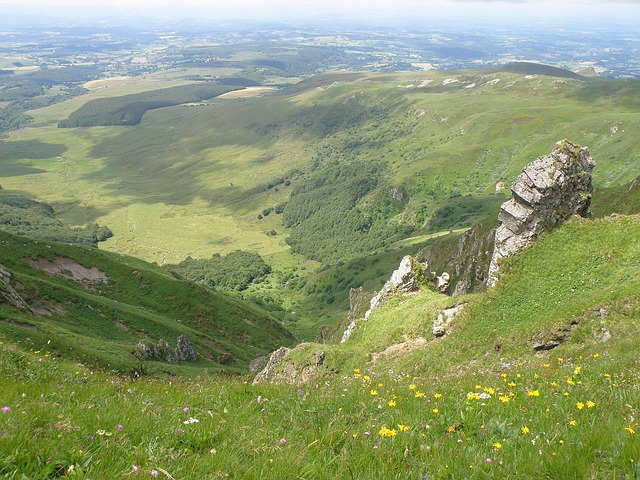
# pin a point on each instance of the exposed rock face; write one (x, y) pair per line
(407, 278)
(467, 264)
(441, 324)
(184, 352)
(547, 192)
(359, 300)
(258, 364)
(269, 371)
(9, 294)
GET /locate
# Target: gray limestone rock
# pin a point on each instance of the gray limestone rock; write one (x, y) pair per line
(9, 294)
(444, 319)
(185, 350)
(269, 371)
(407, 278)
(549, 190)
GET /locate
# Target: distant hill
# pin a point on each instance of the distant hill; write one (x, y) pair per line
(96, 307)
(528, 68)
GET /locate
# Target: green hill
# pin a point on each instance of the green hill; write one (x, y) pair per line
(392, 402)
(97, 306)
(338, 167)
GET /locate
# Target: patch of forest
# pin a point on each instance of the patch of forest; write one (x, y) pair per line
(234, 271)
(330, 219)
(21, 215)
(129, 109)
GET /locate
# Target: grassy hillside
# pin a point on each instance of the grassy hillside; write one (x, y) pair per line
(393, 402)
(433, 146)
(96, 306)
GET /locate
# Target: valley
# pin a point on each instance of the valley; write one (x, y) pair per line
(193, 212)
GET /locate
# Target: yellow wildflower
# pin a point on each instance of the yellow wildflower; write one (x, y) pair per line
(576, 370)
(387, 432)
(573, 423)
(533, 393)
(525, 430)
(512, 384)
(403, 428)
(570, 381)
(497, 445)
(419, 394)
(437, 395)
(391, 403)
(579, 405)
(373, 393)
(356, 370)
(367, 377)
(413, 386)
(554, 384)
(489, 390)
(435, 410)
(504, 399)
(452, 429)
(591, 404)
(630, 430)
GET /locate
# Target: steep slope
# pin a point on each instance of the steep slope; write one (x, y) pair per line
(578, 285)
(97, 307)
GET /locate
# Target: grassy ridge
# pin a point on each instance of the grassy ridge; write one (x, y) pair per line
(384, 405)
(101, 323)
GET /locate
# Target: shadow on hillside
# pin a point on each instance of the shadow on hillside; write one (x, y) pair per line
(14, 154)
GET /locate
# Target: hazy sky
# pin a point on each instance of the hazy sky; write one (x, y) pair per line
(291, 9)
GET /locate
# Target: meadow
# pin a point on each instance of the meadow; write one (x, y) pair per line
(392, 402)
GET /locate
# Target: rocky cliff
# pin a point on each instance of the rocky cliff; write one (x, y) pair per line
(547, 192)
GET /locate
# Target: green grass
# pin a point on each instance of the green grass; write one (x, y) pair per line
(101, 323)
(393, 402)
(191, 181)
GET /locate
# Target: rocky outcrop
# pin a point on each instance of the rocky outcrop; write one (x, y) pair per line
(9, 294)
(407, 278)
(441, 324)
(547, 192)
(184, 351)
(269, 372)
(359, 300)
(466, 260)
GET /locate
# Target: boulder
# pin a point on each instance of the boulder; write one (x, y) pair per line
(549, 190)
(441, 324)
